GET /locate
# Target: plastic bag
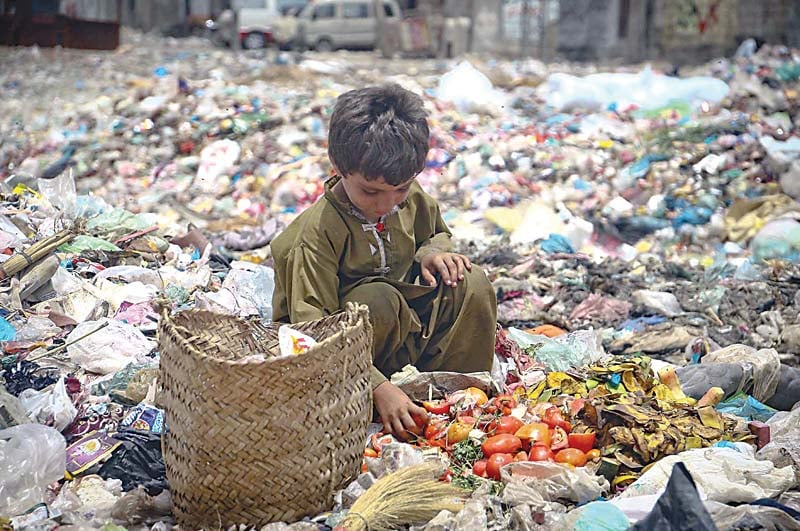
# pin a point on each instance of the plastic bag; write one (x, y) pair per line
(109, 349)
(598, 515)
(658, 301)
(37, 328)
(138, 462)
(292, 342)
(747, 407)
(784, 446)
(252, 284)
(679, 508)
(722, 474)
(766, 364)
(60, 192)
(129, 273)
(556, 482)
(575, 349)
(7, 331)
(469, 90)
(779, 239)
(31, 457)
(216, 159)
(646, 90)
(763, 518)
(50, 406)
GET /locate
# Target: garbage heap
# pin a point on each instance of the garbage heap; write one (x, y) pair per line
(642, 232)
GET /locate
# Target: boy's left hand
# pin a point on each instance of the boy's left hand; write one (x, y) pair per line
(450, 266)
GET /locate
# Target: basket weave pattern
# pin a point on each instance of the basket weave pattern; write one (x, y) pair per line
(256, 442)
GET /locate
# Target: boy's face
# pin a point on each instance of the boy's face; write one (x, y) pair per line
(374, 198)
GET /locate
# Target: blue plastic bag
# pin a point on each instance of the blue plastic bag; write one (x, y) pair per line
(747, 407)
(7, 332)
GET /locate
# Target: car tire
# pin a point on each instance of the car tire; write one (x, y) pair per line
(254, 41)
(324, 45)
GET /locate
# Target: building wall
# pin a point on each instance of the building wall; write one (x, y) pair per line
(682, 31)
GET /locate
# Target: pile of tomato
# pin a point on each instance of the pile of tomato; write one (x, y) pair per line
(510, 430)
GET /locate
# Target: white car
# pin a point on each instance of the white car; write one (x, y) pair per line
(258, 19)
(326, 25)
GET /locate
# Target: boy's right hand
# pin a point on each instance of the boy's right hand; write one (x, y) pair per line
(397, 411)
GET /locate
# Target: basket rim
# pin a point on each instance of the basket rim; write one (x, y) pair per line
(355, 315)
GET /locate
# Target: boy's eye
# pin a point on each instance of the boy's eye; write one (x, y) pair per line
(370, 192)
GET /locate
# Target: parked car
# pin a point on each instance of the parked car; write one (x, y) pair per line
(258, 18)
(326, 25)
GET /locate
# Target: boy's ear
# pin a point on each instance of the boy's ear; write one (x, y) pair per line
(335, 169)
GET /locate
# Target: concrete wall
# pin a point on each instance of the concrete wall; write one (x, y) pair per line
(682, 31)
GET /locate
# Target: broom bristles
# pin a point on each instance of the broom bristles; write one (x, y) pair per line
(411, 495)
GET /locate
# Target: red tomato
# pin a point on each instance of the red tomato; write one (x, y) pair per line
(437, 407)
(495, 463)
(435, 430)
(553, 418)
(558, 439)
(521, 456)
(447, 477)
(571, 456)
(505, 443)
(582, 441)
(506, 425)
(504, 403)
(479, 468)
(537, 432)
(540, 452)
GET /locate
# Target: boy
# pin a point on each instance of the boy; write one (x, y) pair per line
(378, 239)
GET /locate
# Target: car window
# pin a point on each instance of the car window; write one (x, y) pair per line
(355, 10)
(389, 10)
(324, 11)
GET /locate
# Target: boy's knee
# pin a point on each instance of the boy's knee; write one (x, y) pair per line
(478, 286)
(382, 299)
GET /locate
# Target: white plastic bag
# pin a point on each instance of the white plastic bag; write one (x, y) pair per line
(721, 474)
(469, 89)
(646, 90)
(293, 342)
(109, 349)
(50, 406)
(658, 301)
(554, 481)
(576, 349)
(783, 448)
(31, 457)
(60, 192)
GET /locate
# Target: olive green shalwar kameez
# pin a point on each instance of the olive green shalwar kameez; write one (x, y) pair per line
(331, 255)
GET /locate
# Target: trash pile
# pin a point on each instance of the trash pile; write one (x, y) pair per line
(644, 245)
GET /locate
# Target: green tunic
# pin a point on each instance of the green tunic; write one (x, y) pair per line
(330, 255)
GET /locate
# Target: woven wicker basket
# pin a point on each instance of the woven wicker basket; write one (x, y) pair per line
(256, 442)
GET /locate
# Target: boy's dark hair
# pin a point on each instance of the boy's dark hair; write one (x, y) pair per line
(379, 132)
